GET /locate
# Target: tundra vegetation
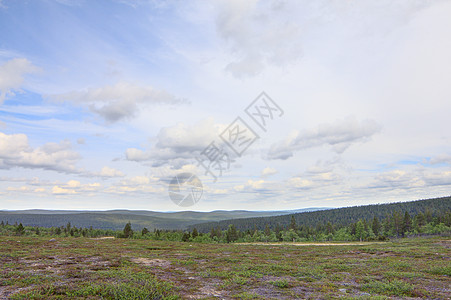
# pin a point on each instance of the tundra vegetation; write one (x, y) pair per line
(405, 254)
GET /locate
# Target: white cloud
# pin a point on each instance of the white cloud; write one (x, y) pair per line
(16, 152)
(442, 158)
(317, 180)
(134, 154)
(18, 189)
(408, 179)
(322, 167)
(258, 186)
(73, 187)
(301, 183)
(12, 76)
(56, 190)
(266, 172)
(264, 33)
(340, 135)
(438, 178)
(178, 144)
(110, 172)
(137, 184)
(117, 102)
(259, 33)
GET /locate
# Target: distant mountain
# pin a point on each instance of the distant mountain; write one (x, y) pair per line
(339, 216)
(116, 219)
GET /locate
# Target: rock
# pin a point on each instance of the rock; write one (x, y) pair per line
(52, 240)
(365, 294)
(342, 290)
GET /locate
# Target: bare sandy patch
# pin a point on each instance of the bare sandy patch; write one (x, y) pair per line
(310, 244)
(151, 262)
(104, 238)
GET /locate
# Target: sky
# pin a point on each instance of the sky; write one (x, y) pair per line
(103, 103)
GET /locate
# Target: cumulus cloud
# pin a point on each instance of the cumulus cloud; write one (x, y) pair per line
(301, 183)
(178, 144)
(258, 186)
(438, 178)
(339, 135)
(75, 187)
(107, 172)
(266, 172)
(439, 159)
(408, 179)
(134, 154)
(263, 33)
(117, 102)
(397, 179)
(137, 184)
(310, 181)
(258, 34)
(15, 151)
(12, 76)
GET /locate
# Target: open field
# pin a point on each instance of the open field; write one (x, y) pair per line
(36, 268)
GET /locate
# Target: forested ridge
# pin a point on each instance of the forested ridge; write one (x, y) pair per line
(115, 219)
(338, 217)
(364, 223)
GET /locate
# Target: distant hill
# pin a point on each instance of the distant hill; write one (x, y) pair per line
(116, 219)
(339, 216)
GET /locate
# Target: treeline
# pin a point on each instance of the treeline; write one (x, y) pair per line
(114, 221)
(396, 225)
(339, 217)
(16, 229)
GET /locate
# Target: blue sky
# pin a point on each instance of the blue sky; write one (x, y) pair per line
(103, 102)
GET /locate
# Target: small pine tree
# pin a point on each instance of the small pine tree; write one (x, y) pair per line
(20, 230)
(376, 226)
(212, 232)
(293, 224)
(406, 224)
(144, 231)
(267, 230)
(128, 232)
(232, 234)
(185, 237)
(194, 234)
(360, 230)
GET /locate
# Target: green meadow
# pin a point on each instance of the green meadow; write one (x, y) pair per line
(87, 268)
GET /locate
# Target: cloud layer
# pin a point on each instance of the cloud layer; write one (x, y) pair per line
(339, 135)
(15, 151)
(12, 75)
(117, 102)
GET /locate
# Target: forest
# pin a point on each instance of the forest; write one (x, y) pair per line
(423, 217)
(338, 217)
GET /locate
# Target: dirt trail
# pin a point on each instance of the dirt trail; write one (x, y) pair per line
(310, 244)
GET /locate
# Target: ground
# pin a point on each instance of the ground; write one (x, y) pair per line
(83, 268)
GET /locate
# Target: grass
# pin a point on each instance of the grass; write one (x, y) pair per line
(390, 288)
(282, 284)
(83, 268)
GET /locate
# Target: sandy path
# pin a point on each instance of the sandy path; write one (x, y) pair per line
(310, 244)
